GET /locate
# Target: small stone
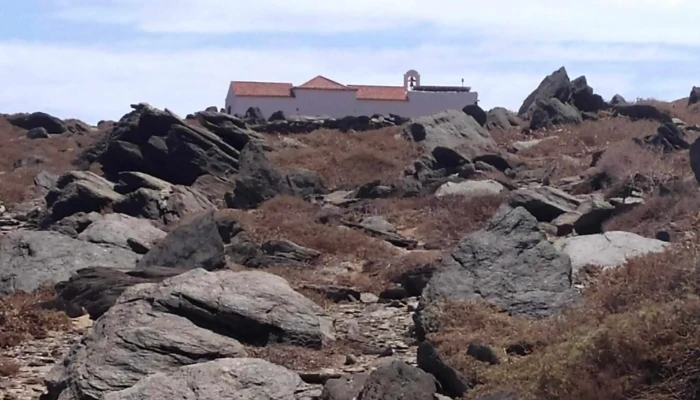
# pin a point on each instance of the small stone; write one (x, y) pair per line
(350, 359)
(368, 298)
(388, 352)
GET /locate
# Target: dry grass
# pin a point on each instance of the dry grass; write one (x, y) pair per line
(57, 153)
(345, 160)
(635, 338)
(22, 319)
(439, 222)
(291, 218)
(302, 359)
(676, 213)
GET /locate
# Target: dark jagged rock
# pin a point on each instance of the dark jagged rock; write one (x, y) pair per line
(78, 191)
(501, 118)
(253, 115)
(583, 98)
(509, 264)
(34, 120)
(161, 144)
(259, 181)
(668, 137)
(277, 116)
(556, 85)
(96, 289)
(548, 113)
(451, 382)
(618, 100)
(398, 381)
(195, 243)
(477, 113)
(694, 96)
(643, 111)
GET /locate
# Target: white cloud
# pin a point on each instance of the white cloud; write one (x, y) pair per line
(631, 21)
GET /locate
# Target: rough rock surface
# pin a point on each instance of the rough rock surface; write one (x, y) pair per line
(501, 118)
(195, 243)
(78, 191)
(609, 249)
(187, 319)
(119, 230)
(161, 144)
(556, 85)
(34, 120)
(226, 378)
(259, 180)
(30, 259)
(510, 264)
(470, 188)
(551, 112)
(95, 290)
(451, 129)
(398, 381)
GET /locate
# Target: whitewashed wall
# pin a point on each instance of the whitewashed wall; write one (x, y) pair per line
(339, 104)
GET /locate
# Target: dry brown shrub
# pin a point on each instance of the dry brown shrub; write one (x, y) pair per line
(590, 136)
(441, 222)
(675, 213)
(57, 151)
(21, 317)
(350, 159)
(303, 359)
(291, 218)
(8, 367)
(634, 337)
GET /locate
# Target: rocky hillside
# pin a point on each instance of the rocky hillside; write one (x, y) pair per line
(548, 253)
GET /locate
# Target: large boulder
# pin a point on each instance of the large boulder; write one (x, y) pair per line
(583, 98)
(618, 100)
(643, 111)
(551, 112)
(95, 290)
(694, 96)
(34, 120)
(226, 378)
(509, 264)
(80, 191)
(31, 259)
(194, 243)
(556, 85)
(259, 180)
(501, 118)
(398, 381)
(609, 249)
(477, 113)
(161, 144)
(148, 197)
(452, 129)
(192, 318)
(232, 130)
(121, 231)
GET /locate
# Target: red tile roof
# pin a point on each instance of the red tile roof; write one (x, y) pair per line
(322, 83)
(262, 89)
(282, 89)
(370, 92)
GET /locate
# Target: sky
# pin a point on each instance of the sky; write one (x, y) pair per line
(91, 59)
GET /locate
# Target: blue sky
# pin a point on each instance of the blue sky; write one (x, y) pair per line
(90, 59)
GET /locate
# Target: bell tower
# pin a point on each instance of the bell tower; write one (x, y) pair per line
(411, 79)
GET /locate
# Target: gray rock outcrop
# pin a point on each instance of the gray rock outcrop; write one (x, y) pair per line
(31, 259)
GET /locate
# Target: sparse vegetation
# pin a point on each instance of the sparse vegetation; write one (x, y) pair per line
(22, 318)
(634, 337)
(345, 160)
